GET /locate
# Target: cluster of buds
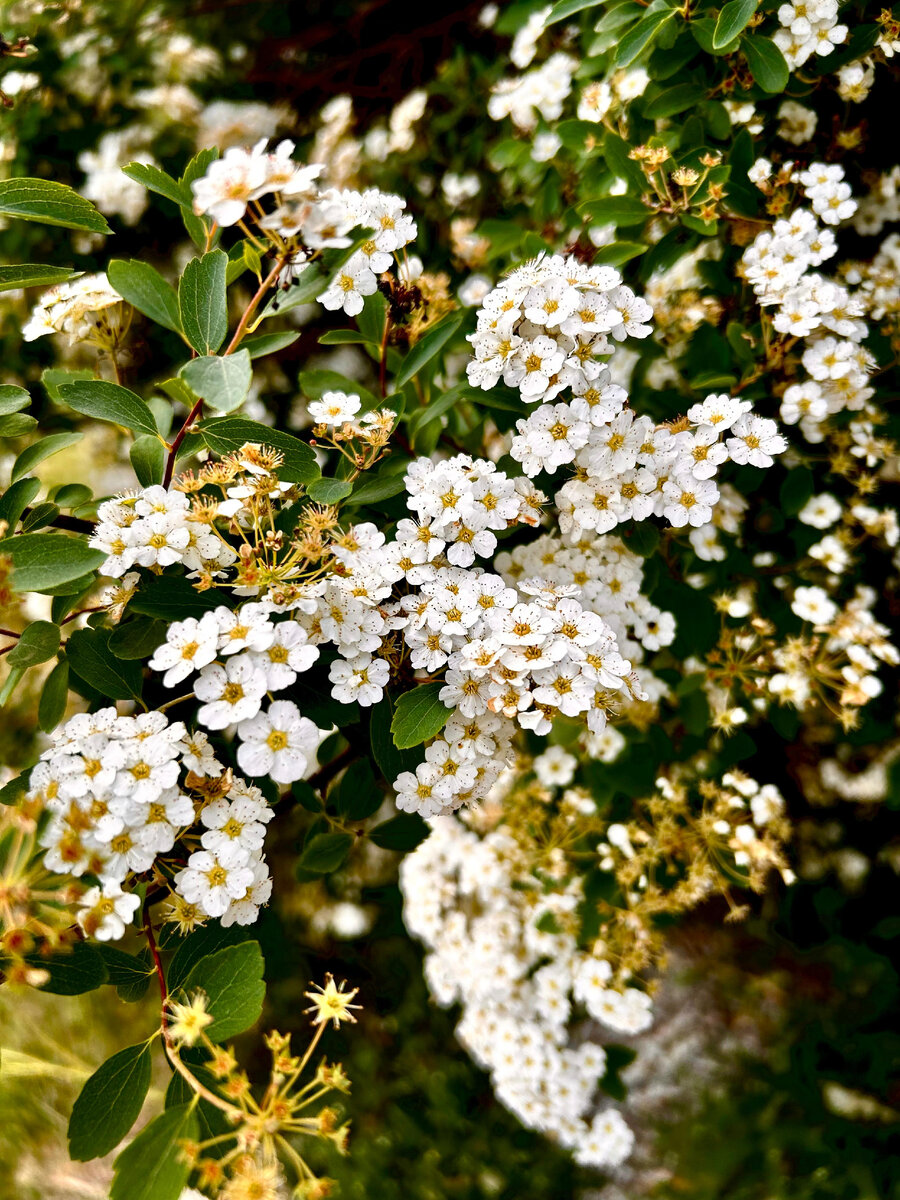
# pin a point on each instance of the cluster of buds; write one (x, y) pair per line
(686, 187)
(688, 842)
(37, 907)
(250, 1159)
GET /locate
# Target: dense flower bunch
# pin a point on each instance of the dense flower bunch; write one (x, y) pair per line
(86, 310)
(499, 901)
(118, 803)
(307, 219)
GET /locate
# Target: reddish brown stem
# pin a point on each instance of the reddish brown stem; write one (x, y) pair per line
(157, 962)
(179, 438)
(253, 305)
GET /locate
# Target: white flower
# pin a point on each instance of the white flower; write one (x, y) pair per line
(212, 884)
(820, 511)
(334, 408)
(229, 694)
(235, 829)
(248, 627)
(812, 604)
(226, 188)
(555, 767)
(361, 679)
(754, 440)
(189, 646)
(104, 912)
(279, 743)
(353, 282)
(199, 756)
(288, 656)
(688, 500)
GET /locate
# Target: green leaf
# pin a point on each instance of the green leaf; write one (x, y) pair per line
(358, 796)
(38, 643)
(419, 715)
(567, 8)
(13, 398)
(172, 597)
(380, 486)
(242, 257)
(138, 638)
(225, 435)
(109, 402)
(198, 228)
(71, 495)
(733, 18)
(345, 337)
(146, 290)
(13, 678)
(45, 448)
(202, 302)
(156, 180)
(615, 210)
(391, 761)
(233, 981)
(642, 538)
(92, 660)
(41, 515)
(426, 349)
(53, 378)
(45, 560)
(222, 382)
(372, 318)
(798, 486)
(423, 417)
(269, 343)
(401, 833)
(13, 791)
(617, 253)
(16, 499)
(325, 852)
(55, 694)
(129, 974)
(33, 275)
(72, 972)
(637, 39)
(50, 203)
(329, 491)
(17, 425)
(675, 100)
(766, 62)
(148, 457)
(109, 1103)
(151, 1167)
(203, 942)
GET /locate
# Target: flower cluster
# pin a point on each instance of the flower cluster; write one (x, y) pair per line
(87, 309)
(118, 804)
(806, 305)
(305, 219)
(540, 92)
(545, 326)
(808, 27)
(502, 943)
(501, 907)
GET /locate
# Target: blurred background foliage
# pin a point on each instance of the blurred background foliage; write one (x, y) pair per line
(773, 1070)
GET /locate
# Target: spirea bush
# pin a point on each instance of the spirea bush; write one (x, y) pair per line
(570, 581)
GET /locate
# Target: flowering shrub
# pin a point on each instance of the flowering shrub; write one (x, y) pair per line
(565, 590)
